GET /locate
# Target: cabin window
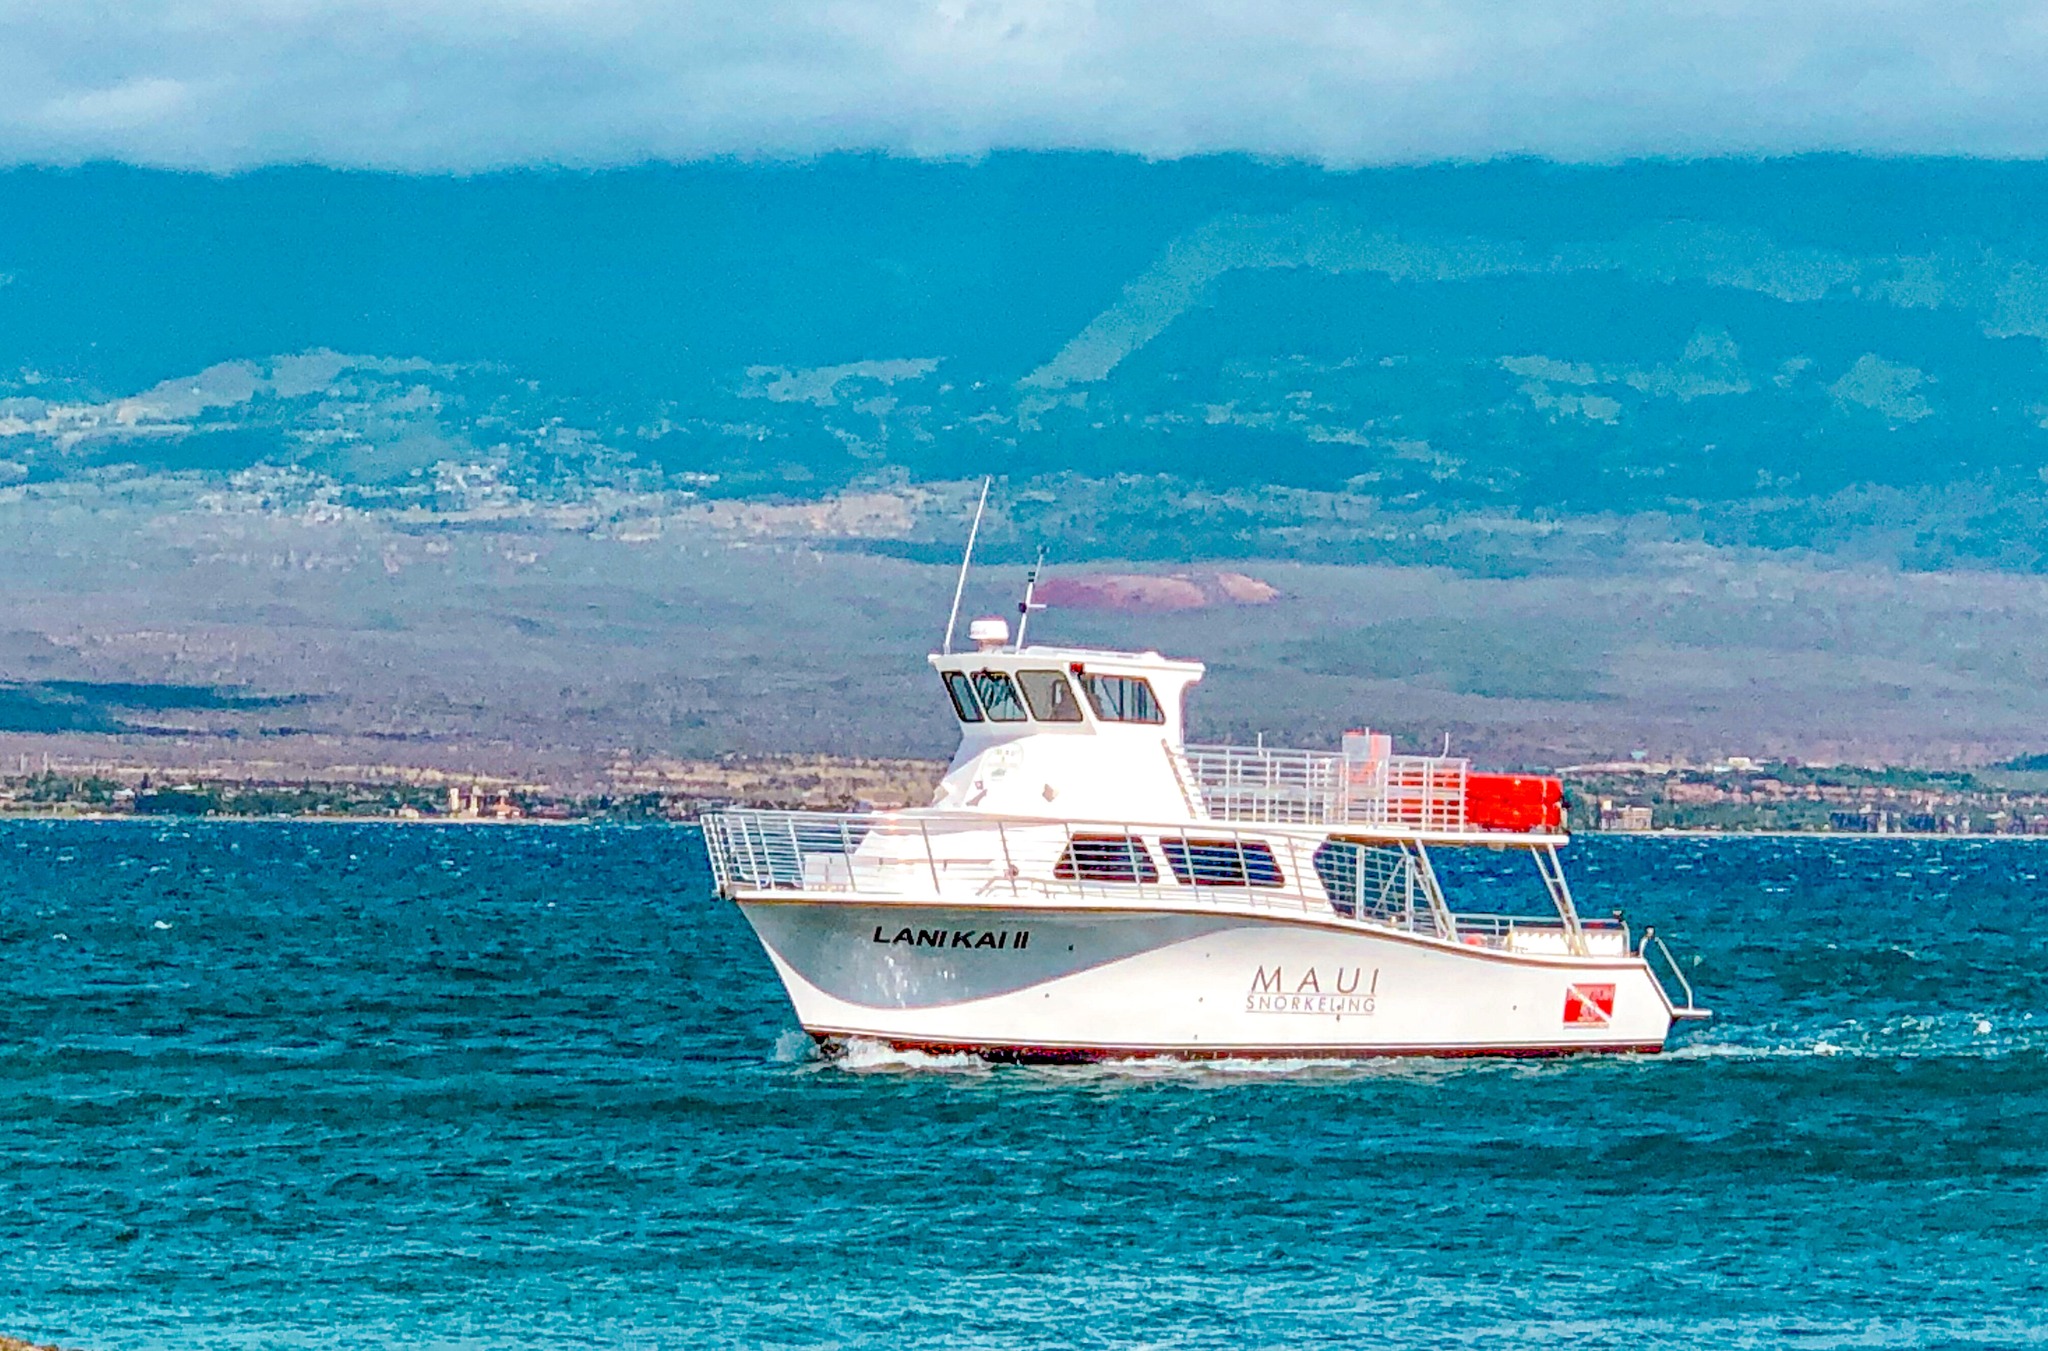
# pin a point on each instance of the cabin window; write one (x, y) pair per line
(1106, 858)
(1050, 696)
(963, 696)
(1122, 698)
(1222, 863)
(998, 697)
(1373, 882)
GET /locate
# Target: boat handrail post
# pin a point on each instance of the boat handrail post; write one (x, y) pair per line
(756, 845)
(1433, 892)
(1650, 936)
(846, 851)
(754, 864)
(1176, 760)
(1293, 869)
(1552, 869)
(715, 842)
(1243, 871)
(924, 829)
(1009, 864)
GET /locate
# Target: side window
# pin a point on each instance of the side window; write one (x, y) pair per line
(1222, 863)
(1139, 703)
(1106, 858)
(998, 696)
(1108, 706)
(1123, 699)
(1050, 696)
(1373, 883)
(963, 696)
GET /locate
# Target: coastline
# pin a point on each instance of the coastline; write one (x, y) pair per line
(632, 789)
(691, 822)
(1994, 802)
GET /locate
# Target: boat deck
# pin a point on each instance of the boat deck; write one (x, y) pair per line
(924, 858)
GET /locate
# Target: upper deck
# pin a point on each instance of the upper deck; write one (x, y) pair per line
(1068, 733)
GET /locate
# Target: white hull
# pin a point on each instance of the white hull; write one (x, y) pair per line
(1069, 983)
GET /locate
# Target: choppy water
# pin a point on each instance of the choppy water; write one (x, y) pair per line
(276, 1085)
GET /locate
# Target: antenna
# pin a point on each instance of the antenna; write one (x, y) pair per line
(1027, 605)
(966, 558)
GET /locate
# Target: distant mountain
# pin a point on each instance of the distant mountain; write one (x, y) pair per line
(1567, 462)
(1825, 352)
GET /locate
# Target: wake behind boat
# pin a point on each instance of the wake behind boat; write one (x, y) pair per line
(1087, 884)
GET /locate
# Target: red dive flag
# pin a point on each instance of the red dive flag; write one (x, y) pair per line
(1588, 1005)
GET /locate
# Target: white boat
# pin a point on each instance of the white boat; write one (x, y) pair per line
(1088, 885)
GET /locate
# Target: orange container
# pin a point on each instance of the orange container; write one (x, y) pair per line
(1514, 801)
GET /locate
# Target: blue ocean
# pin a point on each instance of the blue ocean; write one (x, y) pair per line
(272, 1085)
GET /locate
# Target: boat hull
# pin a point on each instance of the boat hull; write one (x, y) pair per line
(1067, 984)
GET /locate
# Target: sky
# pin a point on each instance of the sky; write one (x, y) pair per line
(465, 85)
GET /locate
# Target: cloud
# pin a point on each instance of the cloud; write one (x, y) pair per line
(471, 84)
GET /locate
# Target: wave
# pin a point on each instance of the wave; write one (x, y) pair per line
(864, 1055)
(1962, 1035)
(1905, 1037)
(861, 1055)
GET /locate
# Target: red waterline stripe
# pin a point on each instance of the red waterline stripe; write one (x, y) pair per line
(835, 1042)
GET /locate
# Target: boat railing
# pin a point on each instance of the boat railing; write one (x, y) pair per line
(1547, 933)
(896, 856)
(1652, 942)
(907, 856)
(1260, 784)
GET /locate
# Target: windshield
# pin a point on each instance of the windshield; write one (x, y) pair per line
(1050, 696)
(998, 696)
(962, 693)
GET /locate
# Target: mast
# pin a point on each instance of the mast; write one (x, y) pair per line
(1026, 606)
(966, 558)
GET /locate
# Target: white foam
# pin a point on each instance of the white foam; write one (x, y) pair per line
(865, 1055)
(862, 1055)
(1976, 1035)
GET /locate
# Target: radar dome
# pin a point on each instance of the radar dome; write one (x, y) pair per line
(989, 633)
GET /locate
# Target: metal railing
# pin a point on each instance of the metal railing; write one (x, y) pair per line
(905, 856)
(1689, 1009)
(908, 857)
(1257, 784)
(1253, 784)
(1520, 933)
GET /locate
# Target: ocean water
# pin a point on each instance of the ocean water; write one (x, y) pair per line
(269, 1085)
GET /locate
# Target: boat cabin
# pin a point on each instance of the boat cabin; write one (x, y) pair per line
(1072, 733)
(1065, 731)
